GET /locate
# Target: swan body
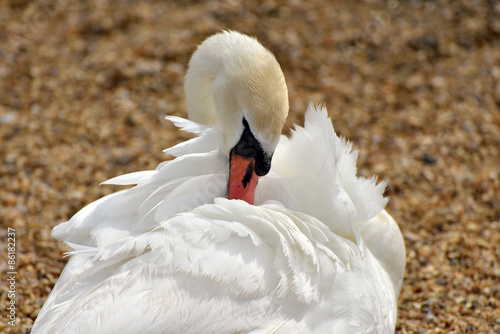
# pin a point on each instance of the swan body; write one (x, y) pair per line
(316, 253)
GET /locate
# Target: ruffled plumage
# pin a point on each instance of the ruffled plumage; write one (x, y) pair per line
(317, 253)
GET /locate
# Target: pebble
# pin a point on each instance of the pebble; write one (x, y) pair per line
(85, 92)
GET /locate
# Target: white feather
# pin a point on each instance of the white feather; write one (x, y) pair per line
(184, 256)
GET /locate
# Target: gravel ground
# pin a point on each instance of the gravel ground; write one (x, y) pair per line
(84, 86)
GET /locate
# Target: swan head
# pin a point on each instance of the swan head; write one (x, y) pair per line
(233, 81)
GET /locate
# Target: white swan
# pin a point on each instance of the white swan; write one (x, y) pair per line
(317, 253)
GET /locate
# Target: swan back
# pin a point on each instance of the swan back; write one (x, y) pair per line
(142, 262)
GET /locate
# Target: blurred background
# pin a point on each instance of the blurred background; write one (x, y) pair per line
(415, 85)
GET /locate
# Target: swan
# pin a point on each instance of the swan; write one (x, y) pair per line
(245, 231)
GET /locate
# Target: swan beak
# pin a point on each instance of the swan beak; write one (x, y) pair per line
(242, 178)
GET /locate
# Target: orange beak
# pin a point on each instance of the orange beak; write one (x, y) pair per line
(242, 178)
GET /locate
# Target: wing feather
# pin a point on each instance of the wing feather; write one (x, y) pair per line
(173, 255)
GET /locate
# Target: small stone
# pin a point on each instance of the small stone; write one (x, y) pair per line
(428, 159)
